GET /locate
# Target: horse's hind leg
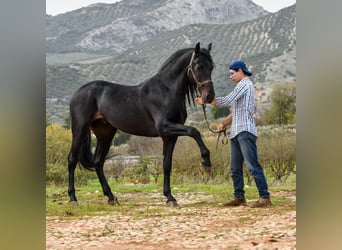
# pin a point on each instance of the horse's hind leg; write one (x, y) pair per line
(101, 152)
(77, 139)
(104, 134)
(71, 168)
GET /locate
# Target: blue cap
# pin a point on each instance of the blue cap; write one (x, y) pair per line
(235, 65)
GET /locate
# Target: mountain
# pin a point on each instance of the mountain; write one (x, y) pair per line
(122, 25)
(267, 44)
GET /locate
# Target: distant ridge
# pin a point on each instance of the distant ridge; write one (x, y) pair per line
(122, 25)
(267, 44)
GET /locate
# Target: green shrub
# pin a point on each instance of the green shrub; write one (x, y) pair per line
(58, 142)
(277, 151)
(57, 175)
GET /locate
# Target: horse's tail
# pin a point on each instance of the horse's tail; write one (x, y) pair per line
(86, 157)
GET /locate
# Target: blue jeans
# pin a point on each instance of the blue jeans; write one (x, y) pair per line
(243, 147)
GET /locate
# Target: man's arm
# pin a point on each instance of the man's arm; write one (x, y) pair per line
(226, 122)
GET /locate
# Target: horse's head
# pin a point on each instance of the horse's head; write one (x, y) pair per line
(199, 71)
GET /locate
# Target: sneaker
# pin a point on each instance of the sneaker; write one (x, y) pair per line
(235, 202)
(262, 202)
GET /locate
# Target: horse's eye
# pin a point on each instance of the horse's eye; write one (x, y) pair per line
(198, 67)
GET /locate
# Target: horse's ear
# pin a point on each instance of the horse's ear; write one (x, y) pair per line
(209, 47)
(197, 49)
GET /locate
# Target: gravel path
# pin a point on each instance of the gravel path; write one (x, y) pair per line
(195, 224)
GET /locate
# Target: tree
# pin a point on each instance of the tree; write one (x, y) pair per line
(283, 105)
(67, 121)
(47, 121)
(277, 150)
(155, 168)
(58, 141)
(219, 112)
(141, 170)
(121, 137)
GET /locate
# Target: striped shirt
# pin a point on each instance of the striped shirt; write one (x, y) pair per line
(241, 100)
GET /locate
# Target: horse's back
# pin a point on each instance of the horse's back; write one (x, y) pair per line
(90, 88)
(91, 92)
(116, 104)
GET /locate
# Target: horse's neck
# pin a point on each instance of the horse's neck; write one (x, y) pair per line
(176, 72)
(172, 76)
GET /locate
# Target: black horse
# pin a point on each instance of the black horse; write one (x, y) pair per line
(153, 108)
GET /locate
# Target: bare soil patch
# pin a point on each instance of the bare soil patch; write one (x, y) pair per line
(195, 224)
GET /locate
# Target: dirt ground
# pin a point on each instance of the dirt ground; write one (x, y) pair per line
(195, 224)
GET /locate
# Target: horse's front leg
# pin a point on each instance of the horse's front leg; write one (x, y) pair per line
(168, 147)
(183, 130)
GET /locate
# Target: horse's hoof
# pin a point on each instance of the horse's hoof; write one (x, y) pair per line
(172, 203)
(205, 169)
(114, 202)
(73, 203)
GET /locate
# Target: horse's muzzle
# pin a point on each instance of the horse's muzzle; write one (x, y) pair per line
(207, 92)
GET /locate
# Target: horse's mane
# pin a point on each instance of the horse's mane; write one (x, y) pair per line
(173, 57)
(190, 88)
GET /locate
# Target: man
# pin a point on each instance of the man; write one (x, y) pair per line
(243, 135)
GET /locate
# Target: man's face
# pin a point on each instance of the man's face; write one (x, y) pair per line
(236, 75)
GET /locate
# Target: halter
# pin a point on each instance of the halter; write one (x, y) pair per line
(198, 86)
(198, 83)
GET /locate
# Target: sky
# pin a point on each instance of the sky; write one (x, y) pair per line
(55, 7)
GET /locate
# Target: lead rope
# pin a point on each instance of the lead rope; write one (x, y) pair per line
(224, 139)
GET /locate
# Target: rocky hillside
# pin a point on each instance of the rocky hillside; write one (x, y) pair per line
(122, 25)
(267, 44)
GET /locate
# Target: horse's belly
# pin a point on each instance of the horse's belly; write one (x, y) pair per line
(138, 128)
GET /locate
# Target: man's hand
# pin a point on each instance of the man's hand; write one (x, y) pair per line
(199, 101)
(220, 127)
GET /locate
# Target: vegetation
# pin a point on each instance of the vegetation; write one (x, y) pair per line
(283, 105)
(47, 121)
(277, 151)
(121, 137)
(276, 146)
(58, 142)
(92, 202)
(219, 112)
